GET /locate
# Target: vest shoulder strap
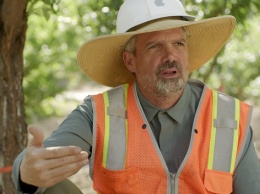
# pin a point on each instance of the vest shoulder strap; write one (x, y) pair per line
(225, 132)
(115, 134)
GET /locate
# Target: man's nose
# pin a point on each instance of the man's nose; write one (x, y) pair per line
(169, 53)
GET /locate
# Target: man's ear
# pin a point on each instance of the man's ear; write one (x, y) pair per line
(129, 61)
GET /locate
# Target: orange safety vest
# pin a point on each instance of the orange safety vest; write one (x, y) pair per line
(127, 160)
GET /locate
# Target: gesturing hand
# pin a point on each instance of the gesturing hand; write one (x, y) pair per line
(44, 167)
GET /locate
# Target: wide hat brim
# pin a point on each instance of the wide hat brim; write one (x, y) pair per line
(101, 58)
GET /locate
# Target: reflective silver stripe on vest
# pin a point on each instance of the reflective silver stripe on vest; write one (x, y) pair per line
(226, 132)
(117, 129)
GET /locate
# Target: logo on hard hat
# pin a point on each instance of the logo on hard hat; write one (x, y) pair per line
(159, 3)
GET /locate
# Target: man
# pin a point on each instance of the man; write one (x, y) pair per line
(156, 131)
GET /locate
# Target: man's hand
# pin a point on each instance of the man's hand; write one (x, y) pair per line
(44, 167)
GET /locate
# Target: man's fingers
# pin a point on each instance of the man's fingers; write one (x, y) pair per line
(63, 161)
(36, 136)
(52, 176)
(59, 152)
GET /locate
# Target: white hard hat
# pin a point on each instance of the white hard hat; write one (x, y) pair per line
(135, 12)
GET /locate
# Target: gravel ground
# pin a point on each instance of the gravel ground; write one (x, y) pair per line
(82, 179)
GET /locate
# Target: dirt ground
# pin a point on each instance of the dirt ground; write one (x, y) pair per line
(81, 179)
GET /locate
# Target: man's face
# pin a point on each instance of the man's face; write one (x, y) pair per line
(160, 62)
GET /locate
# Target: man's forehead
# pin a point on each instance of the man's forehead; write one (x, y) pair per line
(174, 33)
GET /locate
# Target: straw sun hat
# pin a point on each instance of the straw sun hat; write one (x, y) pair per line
(101, 58)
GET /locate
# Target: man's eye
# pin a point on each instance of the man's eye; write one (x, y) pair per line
(179, 44)
(155, 46)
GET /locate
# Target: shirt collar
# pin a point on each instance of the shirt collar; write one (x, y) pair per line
(149, 109)
(177, 111)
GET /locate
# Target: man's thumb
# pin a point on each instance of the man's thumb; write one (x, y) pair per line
(36, 136)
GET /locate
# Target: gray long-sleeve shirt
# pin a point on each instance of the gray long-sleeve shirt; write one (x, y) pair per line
(76, 130)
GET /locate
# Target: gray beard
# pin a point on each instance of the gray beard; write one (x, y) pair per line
(172, 86)
(169, 86)
(164, 87)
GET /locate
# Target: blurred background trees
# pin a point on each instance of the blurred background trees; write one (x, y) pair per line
(54, 32)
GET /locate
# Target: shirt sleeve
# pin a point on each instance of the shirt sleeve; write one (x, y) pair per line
(247, 174)
(75, 130)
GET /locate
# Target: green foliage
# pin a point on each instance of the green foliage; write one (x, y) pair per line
(43, 7)
(100, 16)
(50, 64)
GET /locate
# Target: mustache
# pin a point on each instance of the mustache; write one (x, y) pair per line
(168, 65)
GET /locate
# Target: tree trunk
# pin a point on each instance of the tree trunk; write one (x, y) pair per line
(13, 133)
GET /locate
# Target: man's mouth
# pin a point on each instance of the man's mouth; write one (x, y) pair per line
(170, 73)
